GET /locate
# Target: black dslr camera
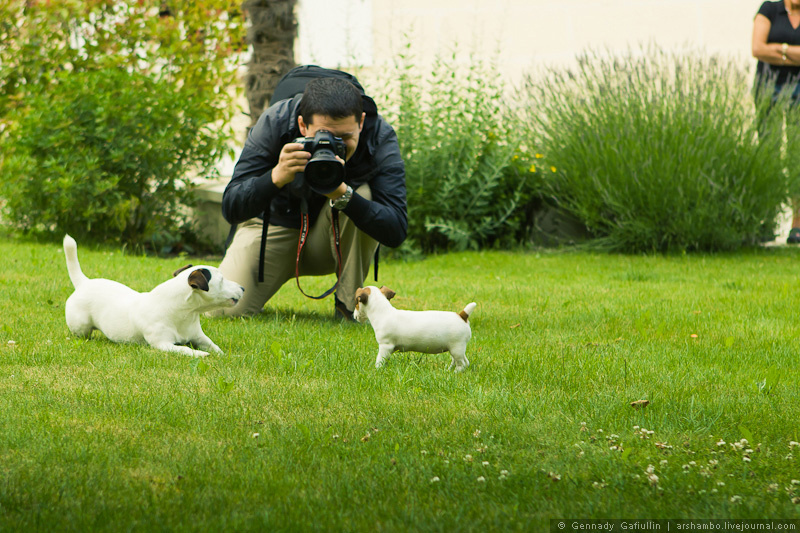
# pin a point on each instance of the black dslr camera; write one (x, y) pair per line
(323, 173)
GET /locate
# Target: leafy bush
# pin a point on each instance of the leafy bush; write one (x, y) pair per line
(659, 151)
(104, 155)
(140, 97)
(469, 179)
(193, 44)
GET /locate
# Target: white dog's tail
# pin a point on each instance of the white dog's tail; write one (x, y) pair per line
(73, 267)
(467, 311)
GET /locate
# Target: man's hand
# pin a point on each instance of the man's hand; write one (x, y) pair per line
(291, 161)
(333, 195)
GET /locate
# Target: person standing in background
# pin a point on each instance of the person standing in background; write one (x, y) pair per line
(776, 45)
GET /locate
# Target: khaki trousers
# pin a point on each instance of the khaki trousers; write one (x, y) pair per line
(318, 258)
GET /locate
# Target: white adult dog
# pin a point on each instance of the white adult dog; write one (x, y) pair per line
(413, 331)
(165, 318)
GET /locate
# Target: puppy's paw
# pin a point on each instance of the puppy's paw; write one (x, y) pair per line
(205, 343)
(459, 366)
(384, 350)
(179, 348)
(191, 352)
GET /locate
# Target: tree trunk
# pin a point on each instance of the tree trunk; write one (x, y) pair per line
(271, 33)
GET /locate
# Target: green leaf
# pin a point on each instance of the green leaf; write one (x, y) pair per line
(304, 430)
(225, 385)
(200, 366)
(746, 434)
(770, 381)
(276, 349)
(729, 342)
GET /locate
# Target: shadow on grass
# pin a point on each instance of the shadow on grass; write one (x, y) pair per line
(272, 314)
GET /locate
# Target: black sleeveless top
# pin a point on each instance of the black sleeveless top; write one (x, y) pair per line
(781, 31)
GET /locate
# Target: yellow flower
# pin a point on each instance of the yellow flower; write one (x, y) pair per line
(539, 156)
(552, 169)
(532, 169)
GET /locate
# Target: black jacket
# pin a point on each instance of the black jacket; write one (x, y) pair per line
(376, 161)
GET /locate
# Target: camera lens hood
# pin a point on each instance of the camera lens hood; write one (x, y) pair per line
(324, 173)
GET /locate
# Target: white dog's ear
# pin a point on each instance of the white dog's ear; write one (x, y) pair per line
(389, 293)
(181, 269)
(199, 279)
(361, 296)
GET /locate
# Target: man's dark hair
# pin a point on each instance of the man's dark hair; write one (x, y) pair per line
(332, 97)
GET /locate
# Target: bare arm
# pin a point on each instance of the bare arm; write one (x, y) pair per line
(772, 53)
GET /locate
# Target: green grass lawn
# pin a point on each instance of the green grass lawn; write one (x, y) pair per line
(294, 429)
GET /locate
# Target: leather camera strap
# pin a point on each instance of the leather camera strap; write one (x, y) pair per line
(304, 229)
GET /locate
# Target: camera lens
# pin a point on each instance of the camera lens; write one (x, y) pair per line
(324, 173)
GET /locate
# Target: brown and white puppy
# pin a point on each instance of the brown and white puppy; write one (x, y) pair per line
(165, 318)
(413, 331)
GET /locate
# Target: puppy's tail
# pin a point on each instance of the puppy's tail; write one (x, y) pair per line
(73, 267)
(467, 311)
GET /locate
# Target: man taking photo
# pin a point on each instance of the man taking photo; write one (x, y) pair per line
(298, 214)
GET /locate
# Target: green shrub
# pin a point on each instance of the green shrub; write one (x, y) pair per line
(469, 178)
(106, 106)
(104, 155)
(655, 151)
(194, 44)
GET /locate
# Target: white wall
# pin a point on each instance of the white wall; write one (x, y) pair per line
(523, 34)
(334, 32)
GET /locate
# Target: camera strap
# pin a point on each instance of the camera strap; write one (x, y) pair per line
(304, 229)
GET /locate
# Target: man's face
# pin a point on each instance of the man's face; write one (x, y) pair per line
(349, 129)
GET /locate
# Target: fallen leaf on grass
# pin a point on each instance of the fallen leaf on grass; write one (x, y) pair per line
(640, 404)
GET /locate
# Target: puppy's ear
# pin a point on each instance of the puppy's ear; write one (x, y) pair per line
(361, 296)
(389, 293)
(199, 279)
(181, 269)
